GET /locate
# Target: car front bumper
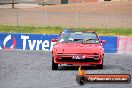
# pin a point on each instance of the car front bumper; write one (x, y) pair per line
(79, 59)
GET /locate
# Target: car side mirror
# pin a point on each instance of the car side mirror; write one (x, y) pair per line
(54, 40)
(103, 41)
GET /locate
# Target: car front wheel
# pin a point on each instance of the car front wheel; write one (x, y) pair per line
(100, 66)
(54, 65)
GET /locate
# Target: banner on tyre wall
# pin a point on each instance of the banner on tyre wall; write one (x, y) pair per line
(125, 44)
(43, 42)
(111, 43)
(26, 41)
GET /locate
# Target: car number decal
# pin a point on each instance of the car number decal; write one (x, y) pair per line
(78, 57)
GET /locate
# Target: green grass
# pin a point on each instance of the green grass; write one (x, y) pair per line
(57, 29)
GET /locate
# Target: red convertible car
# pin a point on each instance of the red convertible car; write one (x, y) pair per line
(78, 48)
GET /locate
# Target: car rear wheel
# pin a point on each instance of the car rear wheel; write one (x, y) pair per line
(54, 65)
(100, 66)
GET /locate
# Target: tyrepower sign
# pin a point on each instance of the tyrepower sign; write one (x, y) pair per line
(26, 41)
(9, 39)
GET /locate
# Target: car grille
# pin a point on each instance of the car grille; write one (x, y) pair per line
(69, 59)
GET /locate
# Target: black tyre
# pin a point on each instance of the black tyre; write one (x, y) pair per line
(100, 66)
(54, 65)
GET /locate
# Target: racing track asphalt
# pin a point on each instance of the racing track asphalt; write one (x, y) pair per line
(32, 69)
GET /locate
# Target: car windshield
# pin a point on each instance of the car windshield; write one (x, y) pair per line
(79, 37)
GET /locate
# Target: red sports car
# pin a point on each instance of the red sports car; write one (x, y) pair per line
(78, 48)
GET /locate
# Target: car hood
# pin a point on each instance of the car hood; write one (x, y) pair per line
(78, 48)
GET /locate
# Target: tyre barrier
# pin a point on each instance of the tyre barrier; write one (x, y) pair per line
(114, 44)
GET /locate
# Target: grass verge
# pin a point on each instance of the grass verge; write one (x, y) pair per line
(57, 29)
